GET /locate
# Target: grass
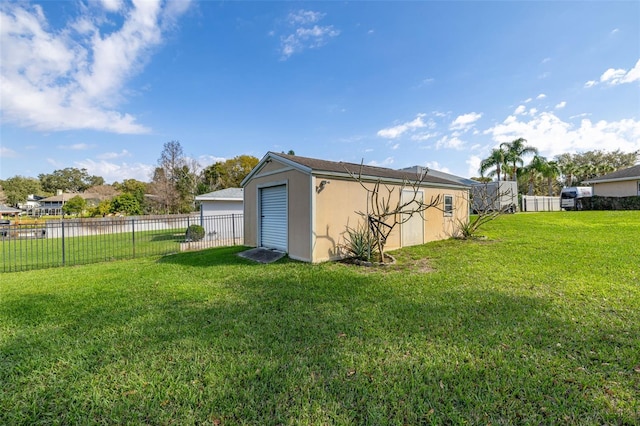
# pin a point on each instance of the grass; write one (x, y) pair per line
(537, 324)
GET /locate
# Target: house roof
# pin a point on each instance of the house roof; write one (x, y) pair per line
(67, 196)
(343, 169)
(443, 175)
(8, 210)
(228, 194)
(631, 173)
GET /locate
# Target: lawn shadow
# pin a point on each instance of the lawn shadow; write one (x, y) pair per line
(288, 343)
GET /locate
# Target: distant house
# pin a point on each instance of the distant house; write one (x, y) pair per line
(8, 211)
(302, 206)
(31, 204)
(53, 205)
(222, 202)
(621, 183)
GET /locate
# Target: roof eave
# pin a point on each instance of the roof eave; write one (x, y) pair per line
(630, 178)
(269, 156)
(395, 181)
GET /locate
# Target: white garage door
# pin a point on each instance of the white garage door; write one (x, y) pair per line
(273, 217)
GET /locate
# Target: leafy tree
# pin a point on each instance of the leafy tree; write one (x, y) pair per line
(125, 203)
(579, 167)
(495, 161)
(514, 151)
(3, 196)
(102, 209)
(70, 179)
(75, 205)
(17, 188)
(230, 173)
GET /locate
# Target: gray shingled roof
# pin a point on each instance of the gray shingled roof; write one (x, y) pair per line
(340, 167)
(624, 174)
(222, 194)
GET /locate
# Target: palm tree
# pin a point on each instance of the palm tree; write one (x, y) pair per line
(534, 170)
(515, 150)
(551, 171)
(495, 160)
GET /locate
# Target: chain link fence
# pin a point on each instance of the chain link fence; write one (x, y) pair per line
(80, 241)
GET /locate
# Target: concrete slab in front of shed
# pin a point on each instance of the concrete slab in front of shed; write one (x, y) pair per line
(262, 255)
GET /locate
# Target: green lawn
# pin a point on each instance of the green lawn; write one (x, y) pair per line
(537, 324)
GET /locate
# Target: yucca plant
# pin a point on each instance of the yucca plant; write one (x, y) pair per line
(360, 243)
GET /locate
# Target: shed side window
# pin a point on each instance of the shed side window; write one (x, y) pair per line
(448, 205)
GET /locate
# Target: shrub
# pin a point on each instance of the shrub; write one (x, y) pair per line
(194, 233)
(360, 243)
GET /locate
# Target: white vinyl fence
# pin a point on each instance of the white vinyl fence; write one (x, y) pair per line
(537, 203)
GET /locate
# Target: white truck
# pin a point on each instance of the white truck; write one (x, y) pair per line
(495, 196)
(571, 197)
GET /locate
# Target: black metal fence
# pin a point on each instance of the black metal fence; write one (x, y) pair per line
(80, 241)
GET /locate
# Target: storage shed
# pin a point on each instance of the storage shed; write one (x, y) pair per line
(303, 206)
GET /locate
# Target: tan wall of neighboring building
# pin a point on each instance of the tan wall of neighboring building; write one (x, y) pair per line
(616, 189)
(298, 208)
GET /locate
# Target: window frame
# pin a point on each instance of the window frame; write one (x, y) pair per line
(448, 207)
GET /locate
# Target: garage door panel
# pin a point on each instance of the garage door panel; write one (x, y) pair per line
(273, 217)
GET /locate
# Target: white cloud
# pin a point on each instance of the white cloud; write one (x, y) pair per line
(112, 172)
(526, 101)
(384, 163)
(395, 146)
(561, 105)
(614, 77)
(545, 60)
(397, 131)
(304, 17)
(207, 160)
(450, 142)
(520, 110)
(434, 165)
(541, 96)
(73, 78)
(76, 147)
(112, 5)
(474, 165)
(305, 36)
(7, 153)
(465, 121)
(424, 136)
(552, 136)
(114, 155)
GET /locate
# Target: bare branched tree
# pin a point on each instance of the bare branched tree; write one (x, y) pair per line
(386, 209)
(488, 204)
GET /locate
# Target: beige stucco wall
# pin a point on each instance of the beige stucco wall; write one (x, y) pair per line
(616, 189)
(298, 207)
(336, 206)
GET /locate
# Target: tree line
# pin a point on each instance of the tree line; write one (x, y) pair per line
(546, 177)
(176, 181)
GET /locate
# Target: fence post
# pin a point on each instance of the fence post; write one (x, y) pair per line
(133, 236)
(233, 228)
(63, 257)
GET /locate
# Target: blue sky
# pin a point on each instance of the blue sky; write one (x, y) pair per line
(102, 85)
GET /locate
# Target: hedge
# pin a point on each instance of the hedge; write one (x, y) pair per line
(611, 203)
